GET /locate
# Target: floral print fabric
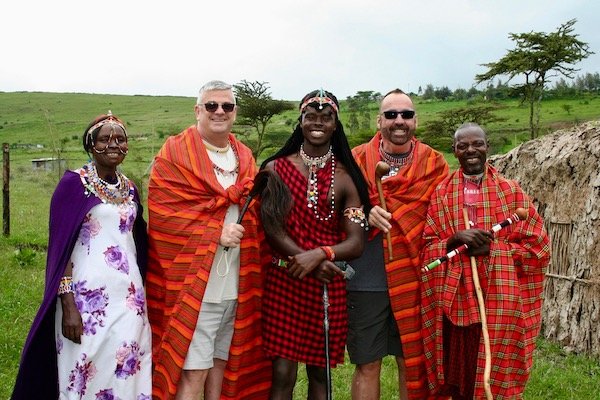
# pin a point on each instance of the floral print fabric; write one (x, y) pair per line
(113, 361)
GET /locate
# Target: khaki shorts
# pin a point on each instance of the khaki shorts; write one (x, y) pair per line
(212, 337)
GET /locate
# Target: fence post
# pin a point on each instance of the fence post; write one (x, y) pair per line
(6, 190)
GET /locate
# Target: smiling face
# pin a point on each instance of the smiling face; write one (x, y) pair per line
(109, 148)
(397, 133)
(215, 126)
(470, 148)
(318, 125)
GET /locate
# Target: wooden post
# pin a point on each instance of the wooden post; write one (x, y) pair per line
(6, 190)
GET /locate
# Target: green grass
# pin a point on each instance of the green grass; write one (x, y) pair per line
(56, 121)
(556, 374)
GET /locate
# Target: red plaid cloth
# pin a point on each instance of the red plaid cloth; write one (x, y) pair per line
(292, 308)
(511, 277)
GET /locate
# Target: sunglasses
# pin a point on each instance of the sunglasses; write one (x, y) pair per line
(212, 106)
(393, 114)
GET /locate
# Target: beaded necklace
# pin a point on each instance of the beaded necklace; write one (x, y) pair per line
(118, 193)
(222, 171)
(396, 161)
(312, 191)
(216, 149)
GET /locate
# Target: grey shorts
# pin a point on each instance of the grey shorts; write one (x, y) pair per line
(212, 337)
(372, 330)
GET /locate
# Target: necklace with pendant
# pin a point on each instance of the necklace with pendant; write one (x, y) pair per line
(314, 164)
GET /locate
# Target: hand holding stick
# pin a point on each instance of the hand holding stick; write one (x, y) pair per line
(381, 169)
(520, 214)
(260, 182)
(484, 330)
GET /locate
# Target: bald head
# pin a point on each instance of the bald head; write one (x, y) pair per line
(470, 148)
(469, 126)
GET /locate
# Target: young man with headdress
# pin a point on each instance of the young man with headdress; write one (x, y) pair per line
(383, 297)
(313, 213)
(91, 337)
(511, 268)
(204, 273)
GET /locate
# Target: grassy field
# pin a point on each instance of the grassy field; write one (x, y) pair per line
(56, 122)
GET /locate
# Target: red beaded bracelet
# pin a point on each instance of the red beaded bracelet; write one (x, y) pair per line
(329, 253)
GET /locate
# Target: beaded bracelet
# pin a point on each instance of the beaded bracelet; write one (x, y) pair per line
(65, 286)
(329, 253)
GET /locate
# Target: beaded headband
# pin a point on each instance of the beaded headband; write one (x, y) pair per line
(321, 99)
(110, 120)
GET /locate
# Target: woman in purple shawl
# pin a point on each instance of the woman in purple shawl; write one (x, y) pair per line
(95, 343)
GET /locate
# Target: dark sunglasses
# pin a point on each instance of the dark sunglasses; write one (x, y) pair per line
(211, 106)
(393, 114)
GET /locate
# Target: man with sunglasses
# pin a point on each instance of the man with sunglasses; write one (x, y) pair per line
(383, 296)
(204, 275)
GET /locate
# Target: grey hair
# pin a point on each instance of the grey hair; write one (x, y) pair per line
(213, 85)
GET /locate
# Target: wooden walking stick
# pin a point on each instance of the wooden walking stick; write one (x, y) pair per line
(381, 169)
(520, 214)
(484, 330)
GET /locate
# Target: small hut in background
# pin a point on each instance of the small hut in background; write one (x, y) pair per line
(561, 172)
(49, 164)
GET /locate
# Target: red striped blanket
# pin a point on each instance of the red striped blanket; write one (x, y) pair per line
(187, 206)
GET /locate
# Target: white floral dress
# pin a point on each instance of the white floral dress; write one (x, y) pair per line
(113, 361)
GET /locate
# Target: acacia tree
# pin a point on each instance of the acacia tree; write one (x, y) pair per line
(538, 56)
(257, 108)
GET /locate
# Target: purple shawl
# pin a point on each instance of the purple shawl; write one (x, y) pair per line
(38, 374)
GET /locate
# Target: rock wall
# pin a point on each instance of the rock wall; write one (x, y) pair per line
(561, 172)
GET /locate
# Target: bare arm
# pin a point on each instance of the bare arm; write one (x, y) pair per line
(72, 325)
(351, 247)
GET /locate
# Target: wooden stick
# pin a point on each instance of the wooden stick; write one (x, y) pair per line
(486, 335)
(381, 169)
(519, 215)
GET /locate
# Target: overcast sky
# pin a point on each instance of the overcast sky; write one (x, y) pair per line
(173, 47)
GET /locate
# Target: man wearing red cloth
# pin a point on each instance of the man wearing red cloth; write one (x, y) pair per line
(510, 264)
(312, 213)
(383, 297)
(204, 282)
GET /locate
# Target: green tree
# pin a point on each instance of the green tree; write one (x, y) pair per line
(442, 93)
(256, 109)
(358, 105)
(429, 92)
(460, 94)
(537, 57)
(438, 132)
(588, 82)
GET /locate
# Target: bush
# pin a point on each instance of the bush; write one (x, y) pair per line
(25, 256)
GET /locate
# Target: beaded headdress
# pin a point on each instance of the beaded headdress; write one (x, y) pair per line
(110, 119)
(321, 99)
